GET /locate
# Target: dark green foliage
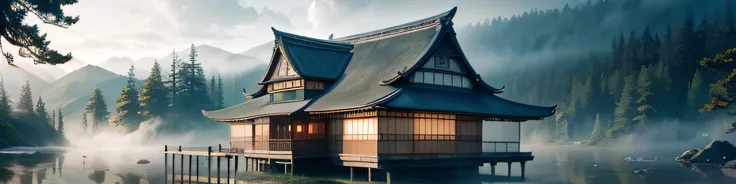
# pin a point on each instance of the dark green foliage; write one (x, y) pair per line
(643, 91)
(41, 113)
(25, 103)
(97, 107)
(220, 100)
(5, 102)
(173, 82)
(8, 135)
(84, 122)
(127, 108)
(192, 93)
(623, 111)
(60, 128)
(596, 136)
(32, 43)
(153, 97)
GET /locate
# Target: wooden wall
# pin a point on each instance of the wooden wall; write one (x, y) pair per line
(428, 133)
(353, 135)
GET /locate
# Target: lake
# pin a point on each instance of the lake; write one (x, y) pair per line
(552, 164)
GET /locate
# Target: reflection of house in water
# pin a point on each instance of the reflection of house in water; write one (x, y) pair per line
(395, 98)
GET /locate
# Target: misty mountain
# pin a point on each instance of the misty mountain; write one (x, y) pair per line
(261, 52)
(71, 92)
(118, 65)
(15, 78)
(213, 59)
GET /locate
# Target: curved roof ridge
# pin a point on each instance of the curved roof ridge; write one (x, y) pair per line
(339, 45)
(443, 17)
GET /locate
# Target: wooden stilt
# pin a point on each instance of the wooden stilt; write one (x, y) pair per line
(292, 167)
(173, 168)
(218, 169)
(493, 169)
(235, 174)
(166, 163)
(523, 169)
(209, 164)
(197, 168)
(190, 169)
(228, 167)
(509, 168)
(351, 173)
(388, 177)
(181, 167)
(246, 164)
(369, 175)
(285, 169)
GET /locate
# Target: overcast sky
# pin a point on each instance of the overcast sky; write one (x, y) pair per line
(152, 28)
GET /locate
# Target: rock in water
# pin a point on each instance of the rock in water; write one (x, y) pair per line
(717, 152)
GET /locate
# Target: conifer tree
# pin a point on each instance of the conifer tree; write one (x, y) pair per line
(154, 101)
(53, 119)
(193, 92)
(220, 101)
(595, 135)
(41, 113)
(98, 108)
(5, 107)
(60, 129)
(643, 91)
(127, 106)
(694, 90)
(213, 93)
(622, 113)
(173, 82)
(84, 122)
(25, 104)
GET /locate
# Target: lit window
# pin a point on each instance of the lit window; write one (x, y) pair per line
(299, 128)
(441, 62)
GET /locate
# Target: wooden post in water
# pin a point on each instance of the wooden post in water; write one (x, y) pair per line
(351, 173)
(197, 160)
(493, 168)
(235, 176)
(228, 168)
(523, 168)
(173, 168)
(218, 169)
(509, 164)
(166, 163)
(388, 177)
(190, 169)
(209, 164)
(246, 164)
(181, 167)
(369, 175)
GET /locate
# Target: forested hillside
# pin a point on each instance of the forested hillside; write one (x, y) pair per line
(631, 62)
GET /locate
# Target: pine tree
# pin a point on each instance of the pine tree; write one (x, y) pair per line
(694, 90)
(127, 106)
(5, 107)
(98, 108)
(643, 90)
(41, 112)
(25, 104)
(154, 100)
(84, 122)
(212, 91)
(193, 92)
(173, 89)
(595, 135)
(220, 101)
(61, 124)
(53, 119)
(622, 113)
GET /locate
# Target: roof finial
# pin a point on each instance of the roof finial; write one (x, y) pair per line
(246, 95)
(330, 38)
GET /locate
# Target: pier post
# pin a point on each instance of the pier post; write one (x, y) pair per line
(351, 173)
(523, 168)
(173, 168)
(246, 164)
(181, 166)
(493, 169)
(285, 169)
(292, 167)
(190, 169)
(228, 168)
(388, 177)
(197, 160)
(235, 174)
(166, 162)
(509, 168)
(209, 164)
(218, 169)
(369, 175)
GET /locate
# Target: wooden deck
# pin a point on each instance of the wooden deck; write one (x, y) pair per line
(201, 179)
(285, 155)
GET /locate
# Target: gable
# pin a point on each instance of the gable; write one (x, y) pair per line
(446, 57)
(283, 69)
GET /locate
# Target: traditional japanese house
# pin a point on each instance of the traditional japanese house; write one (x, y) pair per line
(400, 97)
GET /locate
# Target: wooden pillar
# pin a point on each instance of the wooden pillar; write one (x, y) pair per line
(197, 160)
(228, 168)
(369, 175)
(218, 169)
(181, 166)
(166, 163)
(523, 169)
(292, 167)
(173, 168)
(493, 169)
(285, 169)
(246, 164)
(209, 164)
(388, 177)
(235, 174)
(351, 173)
(509, 168)
(190, 169)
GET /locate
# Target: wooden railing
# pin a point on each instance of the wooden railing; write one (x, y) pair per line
(279, 145)
(500, 146)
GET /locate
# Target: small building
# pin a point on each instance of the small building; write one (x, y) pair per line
(395, 98)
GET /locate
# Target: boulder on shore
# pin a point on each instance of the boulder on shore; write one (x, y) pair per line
(717, 152)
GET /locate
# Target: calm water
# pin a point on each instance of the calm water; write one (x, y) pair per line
(552, 164)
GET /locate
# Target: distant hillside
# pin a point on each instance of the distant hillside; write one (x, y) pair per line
(213, 59)
(118, 65)
(17, 77)
(72, 91)
(261, 52)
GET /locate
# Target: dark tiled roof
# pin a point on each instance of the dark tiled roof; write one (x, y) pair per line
(372, 62)
(254, 108)
(464, 102)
